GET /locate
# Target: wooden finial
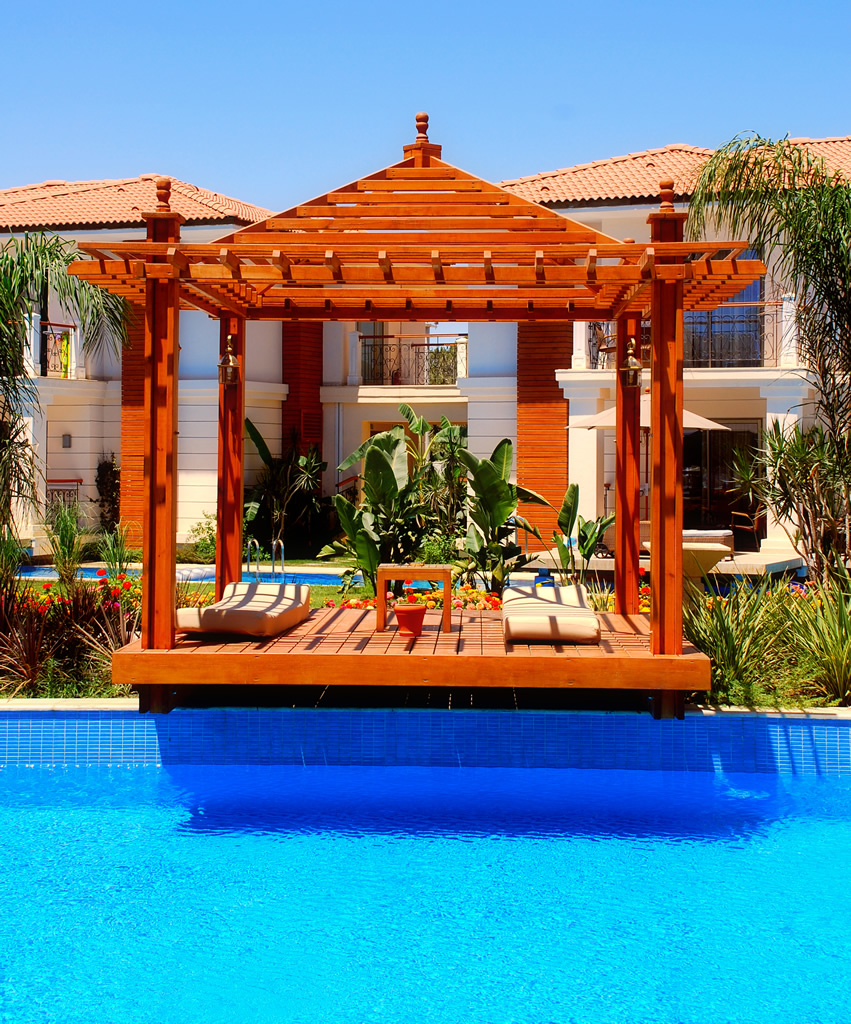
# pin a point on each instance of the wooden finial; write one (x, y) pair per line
(163, 195)
(666, 194)
(422, 127)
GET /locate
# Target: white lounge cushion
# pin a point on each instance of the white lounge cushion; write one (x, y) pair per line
(568, 597)
(254, 609)
(553, 614)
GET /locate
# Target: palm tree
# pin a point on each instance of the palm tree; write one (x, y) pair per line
(31, 269)
(795, 209)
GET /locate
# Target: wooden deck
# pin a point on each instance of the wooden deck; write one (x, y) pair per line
(340, 647)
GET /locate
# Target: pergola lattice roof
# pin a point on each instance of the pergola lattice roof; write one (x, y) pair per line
(420, 240)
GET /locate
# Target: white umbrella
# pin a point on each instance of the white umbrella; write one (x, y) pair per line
(607, 419)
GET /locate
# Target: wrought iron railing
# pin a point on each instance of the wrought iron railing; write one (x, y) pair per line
(413, 359)
(736, 334)
(62, 492)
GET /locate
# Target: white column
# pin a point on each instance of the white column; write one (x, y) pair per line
(588, 392)
(579, 359)
(491, 412)
(788, 355)
(784, 400)
(354, 379)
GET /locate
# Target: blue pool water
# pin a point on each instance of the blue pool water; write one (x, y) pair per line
(348, 895)
(203, 574)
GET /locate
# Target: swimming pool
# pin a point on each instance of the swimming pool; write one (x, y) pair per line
(348, 894)
(201, 574)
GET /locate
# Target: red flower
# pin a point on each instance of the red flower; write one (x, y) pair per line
(641, 570)
(122, 576)
(46, 586)
(127, 584)
(412, 598)
(101, 572)
(408, 583)
(644, 591)
(115, 591)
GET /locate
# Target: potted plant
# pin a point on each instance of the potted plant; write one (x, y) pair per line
(409, 611)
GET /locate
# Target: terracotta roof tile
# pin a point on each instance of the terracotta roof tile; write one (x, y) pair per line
(637, 175)
(55, 205)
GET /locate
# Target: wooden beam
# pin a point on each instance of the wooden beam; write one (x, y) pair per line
(227, 258)
(487, 264)
(229, 507)
(386, 267)
(162, 350)
(627, 474)
(437, 266)
(666, 495)
(281, 262)
(332, 263)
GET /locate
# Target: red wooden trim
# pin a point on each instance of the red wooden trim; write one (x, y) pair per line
(666, 505)
(627, 479)
(162, 313)
(231, 462)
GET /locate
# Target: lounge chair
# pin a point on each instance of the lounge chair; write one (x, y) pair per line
(554, 614)
(253, 609)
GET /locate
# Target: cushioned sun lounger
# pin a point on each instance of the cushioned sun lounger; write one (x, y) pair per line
(253, 609)
(554, 614)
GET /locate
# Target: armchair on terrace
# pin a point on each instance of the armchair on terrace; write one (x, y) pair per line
(751, 522)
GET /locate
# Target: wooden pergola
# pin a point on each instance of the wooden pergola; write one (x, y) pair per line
(420, 240)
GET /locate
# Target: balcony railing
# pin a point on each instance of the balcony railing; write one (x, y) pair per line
(737, 334)
(400, 360)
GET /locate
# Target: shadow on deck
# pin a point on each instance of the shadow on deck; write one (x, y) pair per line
(340, 648)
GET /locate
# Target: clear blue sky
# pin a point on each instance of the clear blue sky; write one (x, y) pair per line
(274, 103)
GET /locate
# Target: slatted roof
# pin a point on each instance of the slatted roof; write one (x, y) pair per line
(420, 240)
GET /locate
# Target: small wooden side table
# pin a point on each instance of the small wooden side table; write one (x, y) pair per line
(387, 573)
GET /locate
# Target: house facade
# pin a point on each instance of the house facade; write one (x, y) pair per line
(335, 381)
(90, 404)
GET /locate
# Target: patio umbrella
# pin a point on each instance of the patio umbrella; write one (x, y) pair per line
(606, 420)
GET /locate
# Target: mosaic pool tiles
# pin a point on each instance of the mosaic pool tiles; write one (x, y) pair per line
(546, 739)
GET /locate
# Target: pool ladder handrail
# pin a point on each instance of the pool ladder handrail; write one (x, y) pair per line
(253, 544)
(275, 545)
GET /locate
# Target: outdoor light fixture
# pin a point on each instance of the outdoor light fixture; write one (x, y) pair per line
(631, 370)
(228, 365)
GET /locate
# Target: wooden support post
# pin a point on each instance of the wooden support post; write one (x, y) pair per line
(162, 313)
(627, 476)
(231, 459)
(666, 430)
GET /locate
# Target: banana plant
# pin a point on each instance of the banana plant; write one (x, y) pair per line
(589, 533)
(391, 523)
(490, 546)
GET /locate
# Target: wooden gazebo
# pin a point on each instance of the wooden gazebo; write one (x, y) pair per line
(420, 240)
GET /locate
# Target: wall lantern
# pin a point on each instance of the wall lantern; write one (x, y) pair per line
(631, 370)
(228, 365)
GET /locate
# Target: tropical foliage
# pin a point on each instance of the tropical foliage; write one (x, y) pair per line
(287, 488)
(588, 537)
(393, 518)
(491, 547)
(32, 269)
(797, 211)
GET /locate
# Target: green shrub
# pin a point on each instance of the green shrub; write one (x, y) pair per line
(747, 637)
(202, 541)
(821, 635)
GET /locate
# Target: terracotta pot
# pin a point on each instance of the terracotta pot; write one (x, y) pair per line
(409, 618)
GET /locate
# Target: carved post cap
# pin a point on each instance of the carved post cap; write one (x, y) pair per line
(422, 127)
(666, 194)
(163, 195)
